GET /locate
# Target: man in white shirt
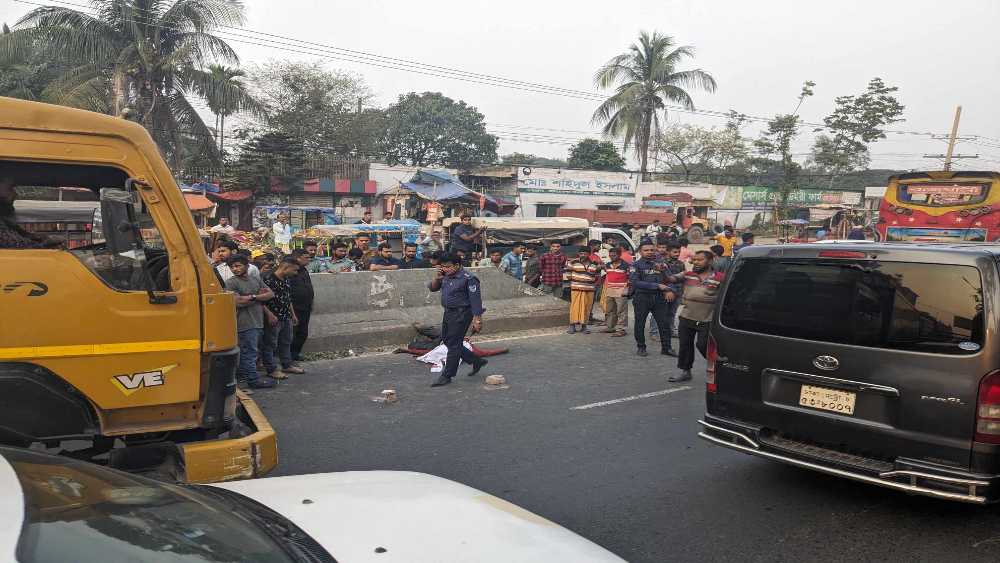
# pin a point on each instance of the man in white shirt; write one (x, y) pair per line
(220, 261)
(282, 233)
(432, 243)
(223, 227)
(653, 229)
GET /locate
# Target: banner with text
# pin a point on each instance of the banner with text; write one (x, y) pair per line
(576, 182)
(754, 197)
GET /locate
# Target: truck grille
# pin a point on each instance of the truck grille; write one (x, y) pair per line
(815, 452)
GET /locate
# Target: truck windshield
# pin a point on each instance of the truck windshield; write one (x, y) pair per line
(905, 306)
(76, 511)
(943, 195)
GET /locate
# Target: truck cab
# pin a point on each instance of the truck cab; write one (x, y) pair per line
(125, 344)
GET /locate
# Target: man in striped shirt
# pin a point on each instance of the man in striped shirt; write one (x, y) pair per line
(581, 274)
(701, 290)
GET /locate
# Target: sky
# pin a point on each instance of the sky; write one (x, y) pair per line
(939, 54)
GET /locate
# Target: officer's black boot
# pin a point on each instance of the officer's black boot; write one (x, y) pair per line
(642, 352)
(478, 366)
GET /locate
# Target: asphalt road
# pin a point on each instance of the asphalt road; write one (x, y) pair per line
(630, 475)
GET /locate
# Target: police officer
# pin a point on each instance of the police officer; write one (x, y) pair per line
(646, 278)
(462, 299)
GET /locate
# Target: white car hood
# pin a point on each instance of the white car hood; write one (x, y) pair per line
(415, 518)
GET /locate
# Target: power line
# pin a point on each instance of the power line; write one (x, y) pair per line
(290, 44)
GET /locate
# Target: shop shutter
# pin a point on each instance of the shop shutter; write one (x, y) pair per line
(310, 200)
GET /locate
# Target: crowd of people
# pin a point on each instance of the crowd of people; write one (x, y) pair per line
(667, 282)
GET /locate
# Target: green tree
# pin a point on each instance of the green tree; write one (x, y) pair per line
(697, 150)
(23, 72)
(777, 140)
(316, 106)
(141, 59)
(532, 160)
(223, 103)
(268, 156)
(644, 79)
(856, 122)
(686, 146)
(432, 129)
(592, 154)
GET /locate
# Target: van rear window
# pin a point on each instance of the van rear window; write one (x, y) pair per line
(904, 306)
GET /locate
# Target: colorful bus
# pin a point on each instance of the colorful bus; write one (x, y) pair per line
(941, 207)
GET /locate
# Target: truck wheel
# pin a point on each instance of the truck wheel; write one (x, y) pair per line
(695, 235)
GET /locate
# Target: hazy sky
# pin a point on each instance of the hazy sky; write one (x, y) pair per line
(940, 54)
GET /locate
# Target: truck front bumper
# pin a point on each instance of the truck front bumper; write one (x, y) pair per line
(251, 450)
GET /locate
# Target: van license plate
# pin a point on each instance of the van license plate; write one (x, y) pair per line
(833, 400)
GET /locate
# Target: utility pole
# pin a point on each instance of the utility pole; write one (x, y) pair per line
(951, 139)
(950, 154)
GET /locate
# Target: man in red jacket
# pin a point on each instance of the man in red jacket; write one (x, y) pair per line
(615, 289)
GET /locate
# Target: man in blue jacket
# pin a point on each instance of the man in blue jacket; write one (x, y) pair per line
(462, 299)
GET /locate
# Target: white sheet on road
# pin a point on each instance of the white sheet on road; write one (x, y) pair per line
(436, 357)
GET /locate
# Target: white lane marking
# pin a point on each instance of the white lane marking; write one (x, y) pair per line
(632, 398)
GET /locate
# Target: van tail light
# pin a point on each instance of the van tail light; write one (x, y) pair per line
(988, 409)
(713, 354)
(841, 254)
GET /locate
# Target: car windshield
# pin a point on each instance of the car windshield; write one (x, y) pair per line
(76, 511)
(904, 306)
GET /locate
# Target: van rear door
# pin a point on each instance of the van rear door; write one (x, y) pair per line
(872, 352)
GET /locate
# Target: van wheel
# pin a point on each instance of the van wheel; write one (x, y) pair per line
(695, 235)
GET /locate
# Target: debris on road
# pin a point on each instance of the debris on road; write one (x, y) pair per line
(496, 380)
(387, 397)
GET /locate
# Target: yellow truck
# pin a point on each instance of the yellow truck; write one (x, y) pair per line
(122, 351)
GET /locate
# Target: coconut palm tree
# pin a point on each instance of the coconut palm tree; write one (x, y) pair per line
(222, 103)
(145, 60)
(644, 79)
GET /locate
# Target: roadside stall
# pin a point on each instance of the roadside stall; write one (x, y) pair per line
(431, 195)
(793, 231)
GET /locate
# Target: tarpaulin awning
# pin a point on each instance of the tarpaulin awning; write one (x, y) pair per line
(440, 185)
(37, 211)
(508, 230)
(198, 202)
(239, 195)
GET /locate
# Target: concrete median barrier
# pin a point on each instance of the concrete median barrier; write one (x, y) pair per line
(365, 310)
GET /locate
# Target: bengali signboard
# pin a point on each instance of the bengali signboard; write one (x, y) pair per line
(754, 197)
(575, 182)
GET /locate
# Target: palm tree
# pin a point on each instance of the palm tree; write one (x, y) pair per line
(643, 78)
(143, 59)
(222, 102)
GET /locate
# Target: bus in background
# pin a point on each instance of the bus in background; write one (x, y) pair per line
(941, 207)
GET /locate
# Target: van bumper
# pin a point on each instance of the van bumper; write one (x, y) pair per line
(910, 476)
(251, 450)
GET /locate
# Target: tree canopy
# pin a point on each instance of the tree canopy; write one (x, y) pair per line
(530, 159)
(138, 59)
(855, 123)
(592, 154)
(432, 129)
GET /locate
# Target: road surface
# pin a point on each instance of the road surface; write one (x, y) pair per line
(595, 438)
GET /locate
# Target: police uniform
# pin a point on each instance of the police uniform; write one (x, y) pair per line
(462, 299)
(647, 297)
